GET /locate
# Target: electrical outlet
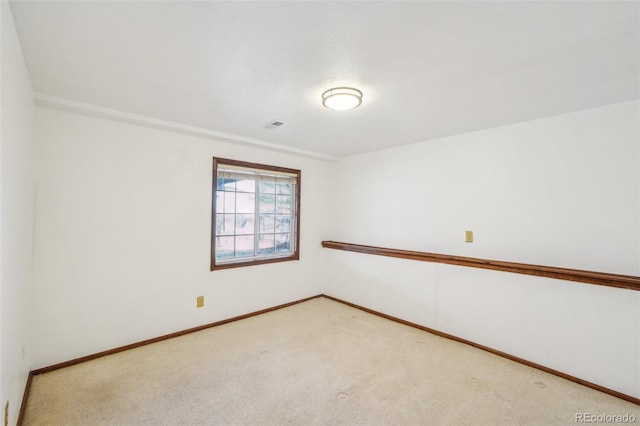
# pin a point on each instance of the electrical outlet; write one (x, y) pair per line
(468, 236)
(199, 301)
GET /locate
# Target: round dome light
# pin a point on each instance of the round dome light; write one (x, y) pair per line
(342, 98)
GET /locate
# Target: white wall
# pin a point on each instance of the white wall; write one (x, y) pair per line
(16, 223)
(560, 191)
(123, 226)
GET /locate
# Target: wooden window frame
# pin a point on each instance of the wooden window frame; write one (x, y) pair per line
(216, 265)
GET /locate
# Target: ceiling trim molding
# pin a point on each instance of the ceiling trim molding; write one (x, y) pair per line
(69, 105)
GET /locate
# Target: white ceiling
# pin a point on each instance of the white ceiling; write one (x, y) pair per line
(427, 69)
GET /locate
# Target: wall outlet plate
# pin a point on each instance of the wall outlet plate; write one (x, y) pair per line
(199, 301)
(468, 236)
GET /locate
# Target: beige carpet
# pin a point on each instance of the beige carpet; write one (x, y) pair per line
(316, 363)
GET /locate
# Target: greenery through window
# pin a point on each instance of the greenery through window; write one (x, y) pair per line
(256, 214)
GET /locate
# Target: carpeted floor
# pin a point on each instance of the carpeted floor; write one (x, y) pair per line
(315, 363)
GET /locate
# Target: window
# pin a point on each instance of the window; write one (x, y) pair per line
(256, 214)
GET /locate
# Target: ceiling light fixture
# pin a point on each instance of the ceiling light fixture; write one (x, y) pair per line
(342, 98)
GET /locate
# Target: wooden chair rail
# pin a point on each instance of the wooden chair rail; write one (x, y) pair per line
(599, 278)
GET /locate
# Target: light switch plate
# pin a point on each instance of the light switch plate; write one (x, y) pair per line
(468, 236)
(199, 301)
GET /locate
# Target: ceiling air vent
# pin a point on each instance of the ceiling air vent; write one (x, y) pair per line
(274, 124)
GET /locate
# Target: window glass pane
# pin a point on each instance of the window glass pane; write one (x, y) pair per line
(245, 202)
(244, 245)
(229, 202)
(267, 203)
(282, 243)
(266, 244)
(283, 187)
(244, 224)
(283, 223)
(246, 185)
(224, 247)
(219, 202)
(225, 224)
(226, 184)
(225, 202)
(267, 186)
(283, 203)
(267, 223)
